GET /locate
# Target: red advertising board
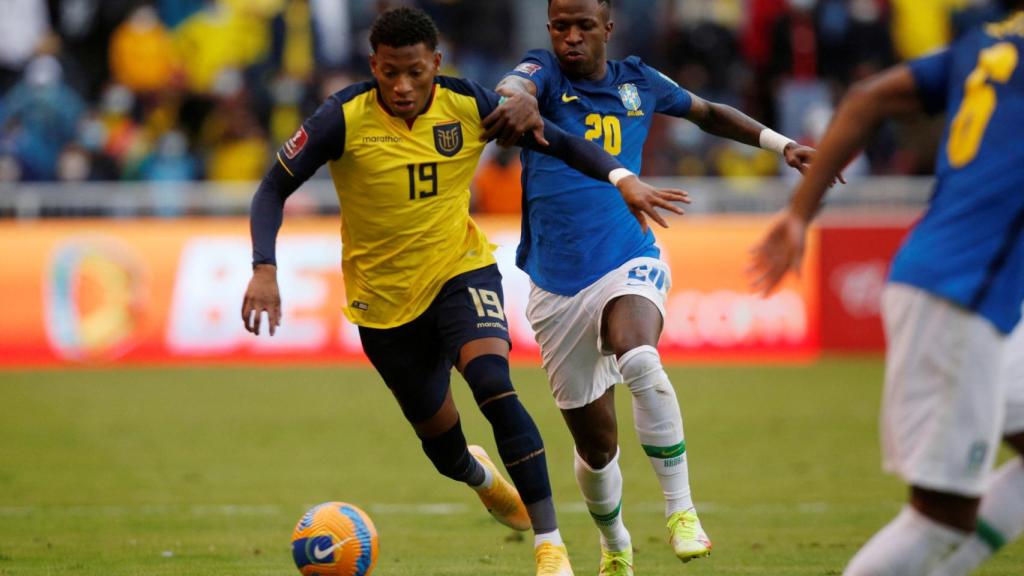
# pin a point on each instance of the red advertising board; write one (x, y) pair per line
(855, 257)
(169, 291)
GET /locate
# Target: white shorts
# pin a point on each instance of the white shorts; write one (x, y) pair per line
(944, 400)
(568, 329)
(1013, 380)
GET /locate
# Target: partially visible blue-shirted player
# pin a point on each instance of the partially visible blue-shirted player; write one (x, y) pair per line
(597, 301)
(954, 382)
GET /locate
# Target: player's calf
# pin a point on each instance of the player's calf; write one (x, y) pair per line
(659, 424)
(515, 433)
(518, 440)
(450, 455)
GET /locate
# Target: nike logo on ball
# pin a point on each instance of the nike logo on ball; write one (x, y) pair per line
(324, 554)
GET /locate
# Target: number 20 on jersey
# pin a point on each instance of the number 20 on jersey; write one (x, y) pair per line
(607, 127)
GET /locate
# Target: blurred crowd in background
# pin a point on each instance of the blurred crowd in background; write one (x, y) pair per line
(186, 90)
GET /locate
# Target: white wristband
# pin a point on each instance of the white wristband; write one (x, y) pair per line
(615, 176)
(772, 140)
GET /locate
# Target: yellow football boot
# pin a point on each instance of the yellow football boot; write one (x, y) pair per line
(687, 538)
(616, 563)
(501, 499)
(552, 560)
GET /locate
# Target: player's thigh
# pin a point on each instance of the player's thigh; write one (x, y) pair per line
(942, 402)
(470, 309)
(567, 330)
(633, 304)
(1013, 381)
(630, 321)
(413, 364)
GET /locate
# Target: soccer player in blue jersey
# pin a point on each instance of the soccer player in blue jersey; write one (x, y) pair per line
(954, 294)
(598, 287)
(420, 278)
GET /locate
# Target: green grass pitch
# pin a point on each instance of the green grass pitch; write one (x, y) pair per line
(205, 472)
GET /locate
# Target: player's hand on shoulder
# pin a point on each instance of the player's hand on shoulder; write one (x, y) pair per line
(801, 157)
(261, 296)
(644, 200)
(779, 251)
(517, 114)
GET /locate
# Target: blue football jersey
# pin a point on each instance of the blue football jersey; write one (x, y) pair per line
(969, 246)
(577, 230)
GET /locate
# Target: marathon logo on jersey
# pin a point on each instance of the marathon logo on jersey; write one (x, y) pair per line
(385, 139)
(448, 138)
(631, 99)
(296, 143)
(528, 68)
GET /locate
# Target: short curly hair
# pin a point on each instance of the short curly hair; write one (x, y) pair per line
(401, 27)
(607, 3)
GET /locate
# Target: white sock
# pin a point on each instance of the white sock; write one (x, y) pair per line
(548, 537)
(1000, 521)
(488, 480)
(911, 545)
(602, 492)
(659, 424)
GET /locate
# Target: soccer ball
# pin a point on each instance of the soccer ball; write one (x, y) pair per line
(335, 539)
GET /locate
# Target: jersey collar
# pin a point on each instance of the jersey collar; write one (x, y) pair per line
(411, 121)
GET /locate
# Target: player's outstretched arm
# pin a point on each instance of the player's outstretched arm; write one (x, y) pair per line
(518, 114)
(592, 160)
(890, 93)
(728, 122)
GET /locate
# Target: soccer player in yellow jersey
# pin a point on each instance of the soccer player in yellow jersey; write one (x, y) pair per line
(420, 279)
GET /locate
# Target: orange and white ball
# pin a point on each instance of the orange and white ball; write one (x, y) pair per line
(335, 539)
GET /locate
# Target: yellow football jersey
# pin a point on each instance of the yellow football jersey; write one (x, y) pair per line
(404, 194)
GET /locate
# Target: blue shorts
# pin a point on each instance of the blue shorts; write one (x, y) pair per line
(416, 359)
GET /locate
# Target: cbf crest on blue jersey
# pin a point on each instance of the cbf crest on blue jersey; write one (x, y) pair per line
(630, 98)
(448, 138)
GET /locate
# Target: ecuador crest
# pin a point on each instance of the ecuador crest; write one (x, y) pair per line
(448, 138)
(630, 96)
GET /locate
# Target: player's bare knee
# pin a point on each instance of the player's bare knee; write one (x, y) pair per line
(955, 510)
(1016, 441)
(623, 337)
(596, 445)
(597, 456)
(629, 322)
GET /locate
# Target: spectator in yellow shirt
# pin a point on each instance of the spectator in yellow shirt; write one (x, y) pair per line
(142, 55)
